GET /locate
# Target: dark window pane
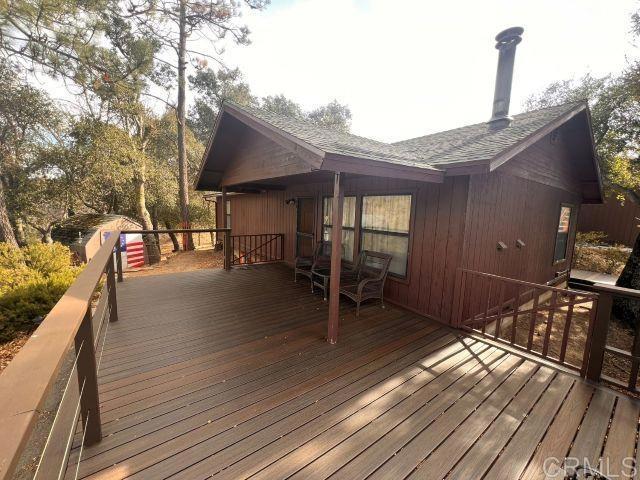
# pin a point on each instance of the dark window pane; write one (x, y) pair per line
(395, 245)
(562, 235)
(389, 213)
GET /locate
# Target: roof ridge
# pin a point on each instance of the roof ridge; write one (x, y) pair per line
(303, 120)
(440, 132)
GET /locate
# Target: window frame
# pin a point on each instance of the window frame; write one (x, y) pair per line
(227, 214)
(572, 209)
(354, 229)
(359, 217)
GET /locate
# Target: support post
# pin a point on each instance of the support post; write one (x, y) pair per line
(336, 257)
(223, 209)
(599, 336)
(111, 287)
(227, 250)
(119, 258)
(88, 381)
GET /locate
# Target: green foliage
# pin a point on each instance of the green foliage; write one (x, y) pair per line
(32, 280)
(333, 115)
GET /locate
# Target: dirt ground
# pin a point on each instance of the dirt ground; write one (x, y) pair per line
(181, 262)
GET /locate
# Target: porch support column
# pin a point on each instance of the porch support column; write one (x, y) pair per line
(226, 236)
(336, 257)
(223, 210)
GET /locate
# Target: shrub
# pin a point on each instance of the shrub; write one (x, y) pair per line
(590, 238)
(32, 280)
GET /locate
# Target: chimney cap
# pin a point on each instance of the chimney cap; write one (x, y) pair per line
(509, 36)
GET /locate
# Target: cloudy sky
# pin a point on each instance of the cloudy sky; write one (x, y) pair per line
(410, 67)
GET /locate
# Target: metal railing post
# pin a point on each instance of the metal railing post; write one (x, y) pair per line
(119, 258)
(88, 381)
(113, 300)
(599, 336)
(228, 250)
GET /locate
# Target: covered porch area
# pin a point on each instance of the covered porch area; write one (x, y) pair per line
(226, 374)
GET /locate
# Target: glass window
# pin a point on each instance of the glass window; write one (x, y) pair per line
(228, 213)
(562, 235)
(385, 228)
(348, 224)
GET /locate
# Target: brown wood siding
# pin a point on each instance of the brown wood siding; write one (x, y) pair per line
(256, 157)
(621, 223)
(435, 242)
(547, 162)
(504, 208)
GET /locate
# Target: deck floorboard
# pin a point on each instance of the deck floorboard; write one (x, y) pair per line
(227, 375)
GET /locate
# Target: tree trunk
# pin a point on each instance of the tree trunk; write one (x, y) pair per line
(628, 311)
(154, 222)
(21, 236)
(153, 248)
(174, 239)
(6, 229)
(46, 235)
(183, 171)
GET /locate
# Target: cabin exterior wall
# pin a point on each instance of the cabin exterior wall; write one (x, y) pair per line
(621, 223)
(521, 200)
(504, 208)
(435, 240)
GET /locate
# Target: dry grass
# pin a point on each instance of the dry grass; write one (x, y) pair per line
(601, 259)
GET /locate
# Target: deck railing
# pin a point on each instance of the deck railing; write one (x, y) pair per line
(57, 368)
(67, 342)
(550, 322)
(260, 248)
(152, 237)
(626, 362)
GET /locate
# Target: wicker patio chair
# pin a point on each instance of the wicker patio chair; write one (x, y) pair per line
(367, 279)
(304, 265)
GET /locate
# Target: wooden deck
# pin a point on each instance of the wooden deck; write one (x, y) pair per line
(226, 374)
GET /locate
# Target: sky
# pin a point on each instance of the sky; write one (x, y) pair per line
(411, 67)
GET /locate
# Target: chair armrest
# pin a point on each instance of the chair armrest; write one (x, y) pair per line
(367, 281)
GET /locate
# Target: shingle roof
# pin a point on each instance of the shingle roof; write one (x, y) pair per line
(480, 142)
(333, 141)
(472, 143)
(75, 228)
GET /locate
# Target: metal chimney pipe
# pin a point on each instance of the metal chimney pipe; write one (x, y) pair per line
(507, 40)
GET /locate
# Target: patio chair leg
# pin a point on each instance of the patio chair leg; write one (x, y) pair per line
(382, 302)
(357, 309)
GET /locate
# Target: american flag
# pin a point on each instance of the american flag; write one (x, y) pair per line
(133, 248)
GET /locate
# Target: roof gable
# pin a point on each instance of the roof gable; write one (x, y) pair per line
(471, 149)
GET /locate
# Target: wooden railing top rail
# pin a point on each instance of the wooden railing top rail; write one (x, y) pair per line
(179, 230)
(524, 283)
(606, 288)
(26, 382)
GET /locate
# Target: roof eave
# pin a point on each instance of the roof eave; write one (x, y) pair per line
(363, 166)
(306, 151)
(596, 159)
(532, 138)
